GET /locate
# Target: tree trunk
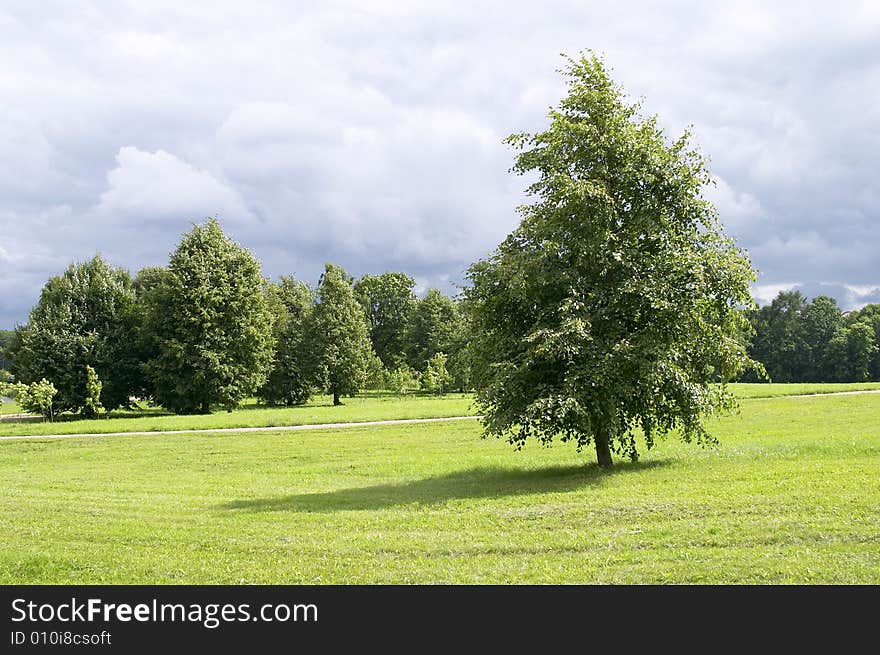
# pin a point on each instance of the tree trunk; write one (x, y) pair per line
(206, 407)
(336, 400)
(603, 448)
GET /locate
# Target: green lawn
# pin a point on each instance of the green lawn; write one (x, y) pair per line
(792, 496)
(743, 390)
(9, 408)
(367, 407)
(370, 406)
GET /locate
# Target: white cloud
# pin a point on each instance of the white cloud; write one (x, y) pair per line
(371, 134)
(148, 187)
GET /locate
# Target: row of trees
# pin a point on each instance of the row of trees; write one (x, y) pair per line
(618, 307)
(209, 330)
(799, 340)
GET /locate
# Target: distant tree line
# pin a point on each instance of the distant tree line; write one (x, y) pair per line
(208, 330)
(799, 340)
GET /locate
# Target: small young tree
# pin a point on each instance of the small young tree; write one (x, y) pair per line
(615, 307)
(436, 378)
(92, 407)
(402, 379)
(36, 397)
(338, 338)
(377, 374)
(387, 301)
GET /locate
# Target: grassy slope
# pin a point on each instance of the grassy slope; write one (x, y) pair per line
(367, 407)
(791, 496)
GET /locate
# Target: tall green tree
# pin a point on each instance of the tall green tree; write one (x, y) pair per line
(387, 301)
(289, 382)
(208, 323)
(6, 337)
(338, 336)
(850, 352)
(819, 319)
(84, 317)
(614, 308)
(780, 342)
(435, 326)
(870, 315)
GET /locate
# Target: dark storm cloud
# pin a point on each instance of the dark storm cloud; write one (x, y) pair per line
(370, 134)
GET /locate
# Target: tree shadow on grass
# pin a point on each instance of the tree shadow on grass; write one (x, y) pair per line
(487, 482)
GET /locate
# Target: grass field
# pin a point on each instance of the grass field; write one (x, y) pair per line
(9, 408)
(367, 407)
(370, 406)
(791, 496)
(744, 390)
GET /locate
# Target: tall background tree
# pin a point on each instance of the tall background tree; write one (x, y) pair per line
(208, 323)
(779, 341)
(802, 340)
(614, 308)
(387, 301)
(289, 381)
(84, 317)
(338, 340)
(435, 326)
(6, 337)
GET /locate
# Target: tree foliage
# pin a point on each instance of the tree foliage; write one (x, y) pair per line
(6, 338)
(799, 340)
(436, 378)
(289, 381)
(338, 336)
(435, 326)
(387, 301)
(93, 405)
(614, 308)
(208, 323)
(35, 398)
(403, 379)
(84, 317)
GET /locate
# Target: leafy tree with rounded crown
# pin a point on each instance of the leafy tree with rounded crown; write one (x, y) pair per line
(338, 337)
(85, 317)
(387, 301)
(436, 378)
(615, 307)
(208, 323)
(435, 326)
(288, 382)
(35, 397)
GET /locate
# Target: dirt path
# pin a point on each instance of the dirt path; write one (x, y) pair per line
(277, 428)
(813, 395)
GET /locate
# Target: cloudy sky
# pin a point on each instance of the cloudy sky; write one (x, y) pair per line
(370, 134)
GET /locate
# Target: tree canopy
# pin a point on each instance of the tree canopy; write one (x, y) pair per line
(614, 308)
(799, 340)
(387, 301)
(84, 317)
(208, 323)
(289, 380)
(338, 336)
(435, 326)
